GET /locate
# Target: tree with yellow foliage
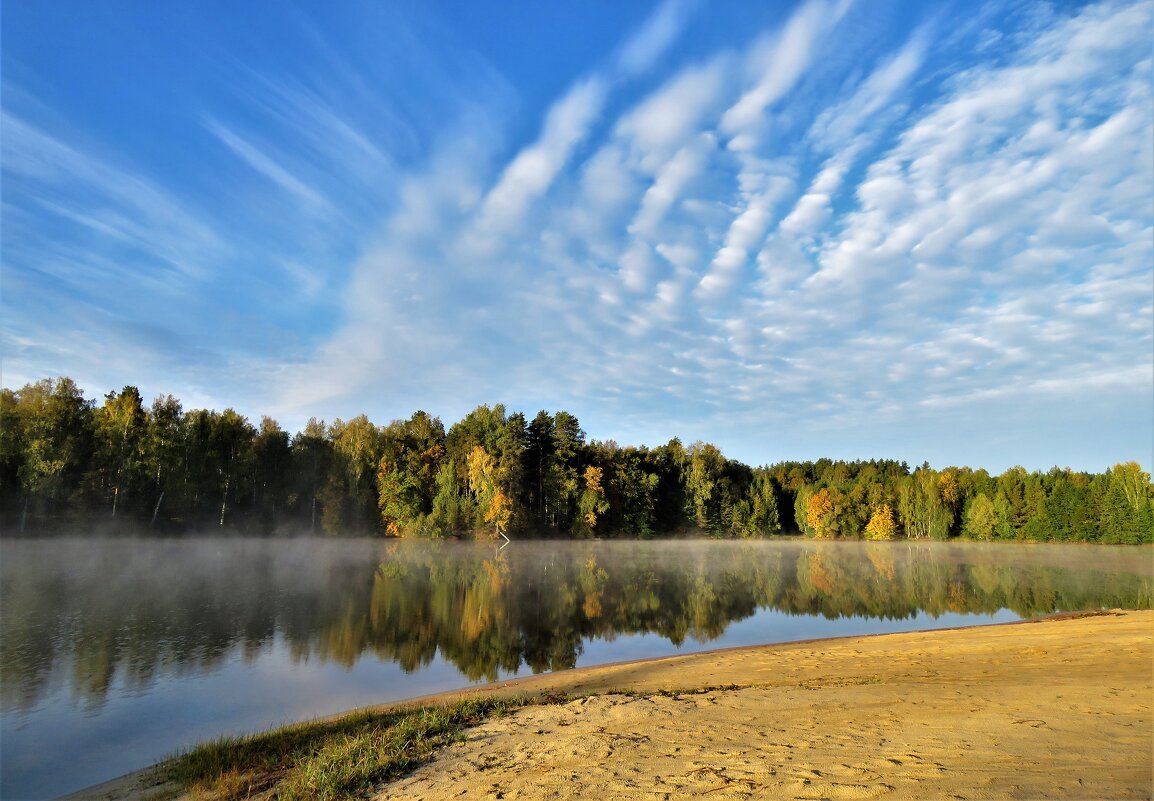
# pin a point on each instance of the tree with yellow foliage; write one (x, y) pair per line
(592, 502)
(882, 525)
(484, 480)
(820, 513)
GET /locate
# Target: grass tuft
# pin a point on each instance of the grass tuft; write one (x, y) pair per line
(334, 760)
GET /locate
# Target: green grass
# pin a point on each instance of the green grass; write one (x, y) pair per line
(334, 760)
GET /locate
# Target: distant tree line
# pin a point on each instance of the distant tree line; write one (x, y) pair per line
(67, 461)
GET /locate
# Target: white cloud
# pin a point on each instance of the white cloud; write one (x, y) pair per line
(816, 231)
(637, 266)
(532, 171)
(655, 36)
(669, 184)
(674, 114)
(811, 212)
(779, 61)
(327, 132)
(957, 187)
(842, 121)
(743, 238)
(110, 200)
(259, 160)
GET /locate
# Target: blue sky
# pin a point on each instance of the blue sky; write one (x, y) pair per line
(909, 230)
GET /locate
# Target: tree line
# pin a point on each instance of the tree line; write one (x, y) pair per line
(67, 461)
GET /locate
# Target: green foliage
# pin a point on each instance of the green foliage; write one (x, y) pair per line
(1127, 512)
(981, 518)
(311, 456)
(631, 490)
(702, 486)
(764, 515)
(66, 462)
(118, 474)
(801, 509)
(53, 432)
(412, 454)
(923, 512)
(356, 451)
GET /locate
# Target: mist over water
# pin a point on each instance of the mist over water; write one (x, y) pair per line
(116, 652)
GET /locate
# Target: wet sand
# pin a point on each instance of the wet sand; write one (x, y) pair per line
(1059, 708)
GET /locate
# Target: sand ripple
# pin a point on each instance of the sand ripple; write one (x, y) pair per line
(1058, 709)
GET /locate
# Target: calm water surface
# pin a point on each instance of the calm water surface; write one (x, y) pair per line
(116, 653)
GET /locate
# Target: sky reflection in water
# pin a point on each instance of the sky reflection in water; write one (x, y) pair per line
(118, 652)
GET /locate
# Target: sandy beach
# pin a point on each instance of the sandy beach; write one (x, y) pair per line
(1058, 708)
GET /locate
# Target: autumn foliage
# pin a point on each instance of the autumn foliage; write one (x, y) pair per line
(819, 513)
(882, 525)
(66, 461)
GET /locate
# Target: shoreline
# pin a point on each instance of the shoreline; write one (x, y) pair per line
(885, 683)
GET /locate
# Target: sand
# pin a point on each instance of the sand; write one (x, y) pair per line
(1060, 708)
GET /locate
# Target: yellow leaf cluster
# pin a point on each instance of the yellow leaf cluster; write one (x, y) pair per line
(882, 525)
(500, 511)
(593, 480)
(817, 511)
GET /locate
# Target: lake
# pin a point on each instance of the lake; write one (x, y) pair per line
(116, 653)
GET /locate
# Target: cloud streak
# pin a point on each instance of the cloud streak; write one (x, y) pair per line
(823, 226)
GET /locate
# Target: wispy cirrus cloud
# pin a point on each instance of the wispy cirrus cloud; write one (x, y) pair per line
(529, 175)
(211, 263)
(259, 160)
(835, 228)
(105, 199)
(778, 61)
(663, 27)
(883, 262)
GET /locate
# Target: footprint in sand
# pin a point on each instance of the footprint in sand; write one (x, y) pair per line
(811, 790)
(914, 766)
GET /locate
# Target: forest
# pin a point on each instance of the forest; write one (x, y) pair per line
(69, 463)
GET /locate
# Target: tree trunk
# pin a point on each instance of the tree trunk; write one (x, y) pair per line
(156, 510)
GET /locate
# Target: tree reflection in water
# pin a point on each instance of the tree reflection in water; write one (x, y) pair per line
(141, 609)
